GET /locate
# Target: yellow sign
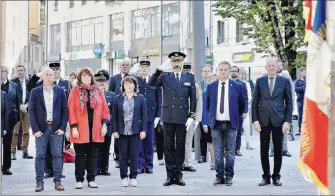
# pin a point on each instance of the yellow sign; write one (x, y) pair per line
(243, 57)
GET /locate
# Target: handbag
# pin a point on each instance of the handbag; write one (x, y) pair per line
(69, 156)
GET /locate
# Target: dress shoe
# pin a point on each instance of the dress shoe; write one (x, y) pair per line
(212, 167)
(229, 181)
(272, 153)
(48, 176)
(238, 153)
(169, 181)
(13, 156)
(39, 187)
(63, 176)
(6, 172)
(59, 186)
(149, 171)
(219, 181)
(105, 173)
(161, 162)
(140, 171)
(179, 181)
(189, 169)
(277, 182)
(27, 156)
(286, 153)
(264, 182)
(202, 159)
(298, 134)
(117, 164)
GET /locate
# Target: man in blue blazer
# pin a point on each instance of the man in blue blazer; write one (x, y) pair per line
(153, 97)
(234, 74)
(115, 87)
(225, 103)
(48, 118)
(12, 112)
(178, 113)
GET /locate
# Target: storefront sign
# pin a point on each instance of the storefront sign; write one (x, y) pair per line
(209, 60)
(97, 51)
(118, 54)
(243, 57)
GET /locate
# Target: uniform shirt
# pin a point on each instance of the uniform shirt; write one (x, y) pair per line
(225, 115)
(128, 111)
(48, 100)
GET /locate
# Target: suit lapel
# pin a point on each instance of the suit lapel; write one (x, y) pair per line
(267, 85)
(121, 101)
(54, 96)
(276, 85)
(230, 86)
(42, 96)
(215, 90)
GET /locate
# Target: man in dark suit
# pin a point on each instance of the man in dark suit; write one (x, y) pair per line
(153, 97)
(48, 118)
(178, 113)
(224, 102)
(4, 122)
(24, 95)
(12, 112)
(234, 74)
(115, 87)
(272, 113)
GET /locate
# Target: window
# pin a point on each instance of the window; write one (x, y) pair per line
(83, 2)
(71, 3)
(85, 35)
(239, 32)
(117, 27)
(37, 54)
(171, 19)
(56, 5)
(98, 33)
(146, 23)
(221, 38)
(55, 31)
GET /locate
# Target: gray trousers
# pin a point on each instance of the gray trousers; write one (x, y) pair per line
(284, 141)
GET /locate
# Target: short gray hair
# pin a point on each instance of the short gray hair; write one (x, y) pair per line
(44, 70)
(225, 63)
(4, 67)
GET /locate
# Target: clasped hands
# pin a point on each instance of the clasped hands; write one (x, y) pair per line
(142, 135)
(23, 108)
(103, 131)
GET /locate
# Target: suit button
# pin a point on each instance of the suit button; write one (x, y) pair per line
(145, 93)
(181, 98)
(181, 106)
(174, 97)
(173, 106)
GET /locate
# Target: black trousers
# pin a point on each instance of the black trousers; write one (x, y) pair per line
(277, 137)
(129, 152)
(7, 148)
(103, 159)
(86, 159)
(116, 150)
(203, 141)
(159, 135)
(174, 148)
(48, 159)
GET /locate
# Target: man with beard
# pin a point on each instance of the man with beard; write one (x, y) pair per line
(12, 113)
(285, 135)
(178, 113)
(234, 74)
(115, 87)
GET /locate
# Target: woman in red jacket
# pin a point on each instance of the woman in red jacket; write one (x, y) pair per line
(88, 118)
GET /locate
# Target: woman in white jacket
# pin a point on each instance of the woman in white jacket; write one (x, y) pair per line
(246, 122)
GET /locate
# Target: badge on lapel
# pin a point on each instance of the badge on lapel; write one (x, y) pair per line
(187, 84)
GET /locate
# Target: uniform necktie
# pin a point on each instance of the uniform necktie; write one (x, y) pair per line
(222, 98)
(145, 80)
(271, 84)
(55, 83)
(177, 78)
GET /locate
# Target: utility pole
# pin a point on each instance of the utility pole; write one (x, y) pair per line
(46, 28)
(198, 53)
(161, 34)
(28, 32)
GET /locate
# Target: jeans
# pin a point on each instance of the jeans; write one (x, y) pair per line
(129, 150)
(56, 142)
(222, 133)
(300, 112)
(86, 159)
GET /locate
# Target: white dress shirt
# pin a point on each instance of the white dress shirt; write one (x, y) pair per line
(48, 100)
(225, 115)
(24, 90)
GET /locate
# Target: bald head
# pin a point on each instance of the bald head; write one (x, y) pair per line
(125, 66)
(271, 66)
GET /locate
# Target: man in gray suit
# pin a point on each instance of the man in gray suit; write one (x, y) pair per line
(286, 75)
(272, 114)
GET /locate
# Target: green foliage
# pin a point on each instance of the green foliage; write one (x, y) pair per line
(276, 26)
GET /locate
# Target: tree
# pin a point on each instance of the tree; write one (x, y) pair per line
(276, 27)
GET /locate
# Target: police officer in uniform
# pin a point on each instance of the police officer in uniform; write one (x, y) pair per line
(178, 113)
(187, 68)
(153, 97)
(102, 77)
(65, 86)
